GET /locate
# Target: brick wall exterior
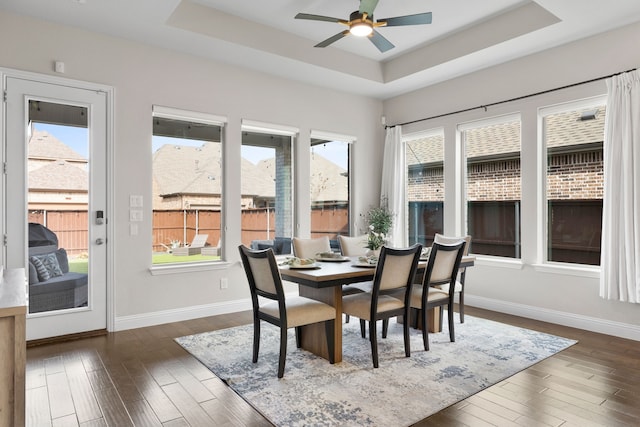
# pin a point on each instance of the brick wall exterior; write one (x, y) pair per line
(577, 176)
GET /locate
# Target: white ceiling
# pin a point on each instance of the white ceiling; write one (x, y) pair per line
(465, 36)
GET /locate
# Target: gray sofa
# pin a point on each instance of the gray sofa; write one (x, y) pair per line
(51, 285)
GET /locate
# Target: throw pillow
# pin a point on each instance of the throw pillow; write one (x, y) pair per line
(50, 262)
(43, 274)
(33, 274)
(63, 260)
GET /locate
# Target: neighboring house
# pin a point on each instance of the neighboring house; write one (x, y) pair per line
(58, 177)
(186, 177)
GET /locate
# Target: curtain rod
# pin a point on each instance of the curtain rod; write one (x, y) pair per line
(510, 100)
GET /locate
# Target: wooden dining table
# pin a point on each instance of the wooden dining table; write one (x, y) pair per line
(325, 284)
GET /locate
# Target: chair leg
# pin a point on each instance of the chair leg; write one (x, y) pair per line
(385, 327)
(283, 350)
(256, 339)
(346, 318)
(298, 337)
(373, 337)
(407, 341)
(452, 336)
(461, 306)
(330, 327)
(425, 328)
(362, 328)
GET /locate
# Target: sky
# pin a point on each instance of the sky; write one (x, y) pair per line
(76, 138)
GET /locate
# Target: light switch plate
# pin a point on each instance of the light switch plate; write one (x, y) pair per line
(135, 201)
(135, 215)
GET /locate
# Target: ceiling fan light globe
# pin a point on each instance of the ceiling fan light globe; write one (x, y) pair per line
(361, 29)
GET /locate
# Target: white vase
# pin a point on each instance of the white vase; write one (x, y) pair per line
(372, 252)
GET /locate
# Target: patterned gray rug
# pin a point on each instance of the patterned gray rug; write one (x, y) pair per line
(400, 392)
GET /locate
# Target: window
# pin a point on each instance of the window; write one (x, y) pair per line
(573, 139)
(329, 186)
(267, 187)
(425, 186)
(493, 190)
(187, 186)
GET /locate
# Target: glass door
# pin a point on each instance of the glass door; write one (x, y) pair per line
(56, 203)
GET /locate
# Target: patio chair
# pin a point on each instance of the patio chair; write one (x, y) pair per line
(198, 242)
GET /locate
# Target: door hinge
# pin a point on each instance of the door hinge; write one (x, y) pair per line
(4, 240)
(4, 96)
(4, 168)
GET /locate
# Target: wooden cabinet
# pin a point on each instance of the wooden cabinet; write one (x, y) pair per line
(13, 349)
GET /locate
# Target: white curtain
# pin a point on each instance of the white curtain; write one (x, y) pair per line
(620, 259)
(393, 185)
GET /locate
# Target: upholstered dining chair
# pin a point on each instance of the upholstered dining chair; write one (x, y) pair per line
(353, 246)
(459, 287)
(308, 248)
(291, 312)
(394, 273)
(442, 268)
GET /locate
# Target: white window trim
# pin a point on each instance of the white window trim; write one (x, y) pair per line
(264, 127)
(331, 136)
(462, 164)
(175, 113)
(205, 118)
(543, 208)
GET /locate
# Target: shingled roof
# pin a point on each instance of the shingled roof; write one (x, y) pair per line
(43, 145)
(180, 169)
(563, 129)
(54, 166)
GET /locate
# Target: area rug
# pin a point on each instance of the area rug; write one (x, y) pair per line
(400, 392)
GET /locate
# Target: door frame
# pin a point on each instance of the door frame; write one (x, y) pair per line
(109, 179)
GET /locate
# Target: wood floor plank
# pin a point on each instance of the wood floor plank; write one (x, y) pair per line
(60, 400)
(68, 421)
(190, 409)
(142, 377)
(37, 411)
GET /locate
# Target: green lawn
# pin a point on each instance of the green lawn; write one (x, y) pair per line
(80, 265)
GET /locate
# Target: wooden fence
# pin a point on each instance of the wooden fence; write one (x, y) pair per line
(181, 226)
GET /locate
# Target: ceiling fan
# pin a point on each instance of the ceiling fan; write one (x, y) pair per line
(362, 24)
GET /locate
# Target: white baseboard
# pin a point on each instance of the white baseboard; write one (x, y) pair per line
(623, 330)
(593, 324)
(180, 314)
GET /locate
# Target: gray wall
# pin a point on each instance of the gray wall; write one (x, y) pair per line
(144, 76)
(560, 295)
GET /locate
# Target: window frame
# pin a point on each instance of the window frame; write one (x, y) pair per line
(460, 129)
(543, 209)
(209, 119)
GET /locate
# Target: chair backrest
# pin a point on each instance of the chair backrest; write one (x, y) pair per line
(263, 274)
(199, 240)
(447, 240)
(444, 262)
(308, 248)
(353, 246)
(396, 268)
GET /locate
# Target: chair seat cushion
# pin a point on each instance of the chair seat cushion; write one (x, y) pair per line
(301, 311)
(356, 288)
(359, 305)
(445, 288)
(435, 294)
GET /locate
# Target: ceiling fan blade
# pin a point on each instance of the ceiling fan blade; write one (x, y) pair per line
(380, 42)
(316, 17)
(417, 19)
(332, 39)
(368, 6)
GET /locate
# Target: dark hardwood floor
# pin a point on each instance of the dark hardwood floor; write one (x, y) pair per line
(141, 377)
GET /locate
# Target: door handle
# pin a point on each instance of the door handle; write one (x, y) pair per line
(99, 241)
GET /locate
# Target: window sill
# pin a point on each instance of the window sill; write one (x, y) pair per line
(568, 269)
(185, 267)
(498, 262)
